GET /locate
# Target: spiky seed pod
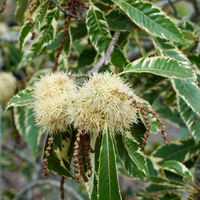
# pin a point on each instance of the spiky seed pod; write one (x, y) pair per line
(54, 95)
(8, 85)
(101, 99)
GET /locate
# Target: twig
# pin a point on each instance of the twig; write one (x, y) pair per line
(163, 4)
(196, 5)
(7, 180)
(104, 60)
(18, 154)
(78, 18)
(174, 9)
(34, 177)
(54, 183)
(77, 75)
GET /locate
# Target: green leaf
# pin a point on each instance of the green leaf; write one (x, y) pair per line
(97, 154)
(19, 119)
(152, 93)
(151, 19)
(189, 92)
(117, 21)
(87, 57)
(56, 42)
(20, 10)
(161, 66)
(135, 153)
(46, 35)
(33, 132)
(171, 196)
(154, 124)
(21, 99)
(108, 187)
(126, 157)
(78, 32)
(195, 59)
(59, 159)
(167, 48)
(181, 150)
(38, 17)
(68, 43)
(188, 116)
(188, 26)
(138, 131)
(100, 36)
(178, 168)
(171, 114)
(154, 188)
(166, 182)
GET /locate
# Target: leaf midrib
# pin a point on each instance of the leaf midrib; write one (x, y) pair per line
(108, 162)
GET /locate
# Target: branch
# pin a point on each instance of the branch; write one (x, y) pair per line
(78, 18)
(77, 75)
(165, 3)
(104, 60)
(174, 9)
(54, 183)
(18, 154)
(195, 16)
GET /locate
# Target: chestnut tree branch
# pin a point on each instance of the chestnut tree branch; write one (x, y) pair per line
(54, 183)
(78, 18)
(104, 60)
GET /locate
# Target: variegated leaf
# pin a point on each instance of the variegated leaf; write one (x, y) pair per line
(38, 17)
(46, 35)
(151, 19)
(21, 99)
(161, 66)
(19, 119)
(100, 36)
(129, 162)
(20, 10)
(188, 116)
(167, 48)
(108, 187)
(33, 132)
(181, 150)
(59, 159)
(178, 168)
(189, 92)
(135, 152)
